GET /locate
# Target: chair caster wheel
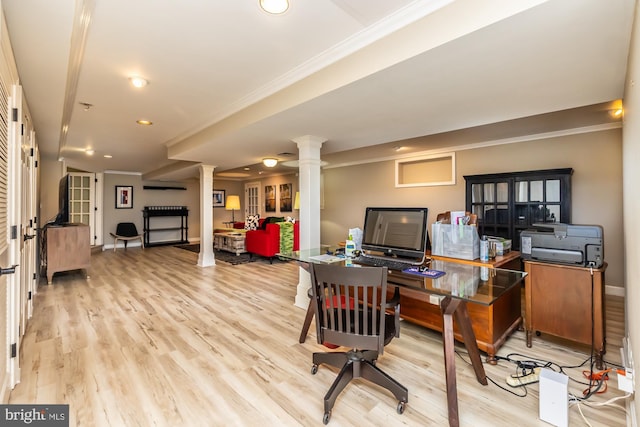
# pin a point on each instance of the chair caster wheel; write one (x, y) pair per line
(326, 418)
(314, 369)
(401, 407)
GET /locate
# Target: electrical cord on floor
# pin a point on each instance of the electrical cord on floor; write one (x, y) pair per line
(578, 401)
(589, 392)
(524, 387)
(525, 365)
(492, 381)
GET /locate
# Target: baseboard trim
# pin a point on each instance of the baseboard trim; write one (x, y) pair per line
(5, 391)
(614, 290)
(132, 244)
(632, 419)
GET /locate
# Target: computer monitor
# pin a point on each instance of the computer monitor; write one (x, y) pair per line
(396, 232)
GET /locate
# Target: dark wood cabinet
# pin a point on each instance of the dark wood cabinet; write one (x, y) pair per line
(507, 203)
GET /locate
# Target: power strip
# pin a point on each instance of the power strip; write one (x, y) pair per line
(517, 381)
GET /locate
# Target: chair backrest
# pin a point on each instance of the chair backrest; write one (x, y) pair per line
(349, 305)
(126, 229)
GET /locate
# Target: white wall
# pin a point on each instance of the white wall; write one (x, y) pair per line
(631, 210)
(595, 157)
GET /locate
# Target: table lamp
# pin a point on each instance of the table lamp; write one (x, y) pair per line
(233, 203)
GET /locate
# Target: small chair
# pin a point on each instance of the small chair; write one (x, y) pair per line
(362, 324)
(126, 231)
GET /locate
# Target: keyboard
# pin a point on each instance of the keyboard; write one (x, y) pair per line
(391, 264)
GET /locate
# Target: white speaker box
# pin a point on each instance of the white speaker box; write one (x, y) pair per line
(554, 398)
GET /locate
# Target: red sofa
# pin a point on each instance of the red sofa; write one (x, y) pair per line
(266, 242)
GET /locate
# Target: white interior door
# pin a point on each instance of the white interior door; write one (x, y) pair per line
(5, 255)
(252, 199)
(29, 226)
(15, 179)
(81, 201)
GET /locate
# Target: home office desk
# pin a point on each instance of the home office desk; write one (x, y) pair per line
(460, 284)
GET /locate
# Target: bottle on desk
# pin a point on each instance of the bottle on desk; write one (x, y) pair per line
(349, 247)
(484, 249)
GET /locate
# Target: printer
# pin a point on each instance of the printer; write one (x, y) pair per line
(563, 243)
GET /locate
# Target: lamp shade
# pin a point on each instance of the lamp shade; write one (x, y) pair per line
(233, 203)
(296, 201)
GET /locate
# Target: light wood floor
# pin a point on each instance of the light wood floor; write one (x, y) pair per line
(152, 339)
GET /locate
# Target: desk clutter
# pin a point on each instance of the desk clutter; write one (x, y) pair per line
(424, 272)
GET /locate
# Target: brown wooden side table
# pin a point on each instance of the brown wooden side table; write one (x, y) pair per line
(566, 301)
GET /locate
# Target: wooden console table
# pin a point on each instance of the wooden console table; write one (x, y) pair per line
(67, 247)
(560, 300)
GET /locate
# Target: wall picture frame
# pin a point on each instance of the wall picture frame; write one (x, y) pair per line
(124, 197)
(218, 198)
(270, 198)
(286, 199)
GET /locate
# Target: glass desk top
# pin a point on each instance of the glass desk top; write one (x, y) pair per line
(481, 285)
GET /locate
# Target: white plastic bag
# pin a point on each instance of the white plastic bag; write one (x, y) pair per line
(356, 236)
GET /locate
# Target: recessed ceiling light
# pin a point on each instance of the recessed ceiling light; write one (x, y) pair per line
(144, 122)
(89, 151)
(274, 6)
(138, 81)
(108, 156)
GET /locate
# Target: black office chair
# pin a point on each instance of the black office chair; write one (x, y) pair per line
(126, 231)
(350, 307)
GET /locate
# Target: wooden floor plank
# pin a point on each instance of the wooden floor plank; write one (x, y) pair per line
(153, 339)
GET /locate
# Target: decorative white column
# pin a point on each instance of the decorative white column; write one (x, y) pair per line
(205, 257)
(309, 176)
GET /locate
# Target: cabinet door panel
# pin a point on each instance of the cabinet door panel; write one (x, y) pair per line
(507, 203)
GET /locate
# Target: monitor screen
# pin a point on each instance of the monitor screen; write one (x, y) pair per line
(400, 232)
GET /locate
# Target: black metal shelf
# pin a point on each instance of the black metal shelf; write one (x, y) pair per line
(166, 211)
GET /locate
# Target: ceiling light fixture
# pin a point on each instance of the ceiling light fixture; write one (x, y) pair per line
(144, 122)
(107, 156)
(89, 151)
(274, 6)
(270, 162)
(138, 81)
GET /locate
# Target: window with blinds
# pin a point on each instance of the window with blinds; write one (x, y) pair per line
(4, 163)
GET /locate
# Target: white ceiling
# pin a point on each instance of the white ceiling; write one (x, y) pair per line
(230, 84)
